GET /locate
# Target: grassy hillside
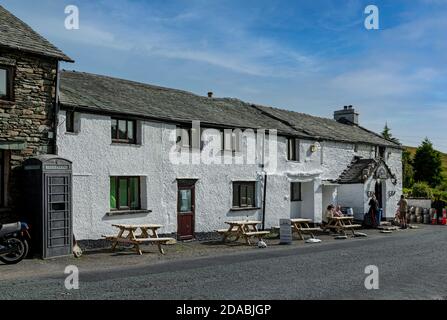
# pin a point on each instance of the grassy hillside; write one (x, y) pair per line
(412, 150)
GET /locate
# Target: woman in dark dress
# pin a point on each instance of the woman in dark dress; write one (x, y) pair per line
(373, 209)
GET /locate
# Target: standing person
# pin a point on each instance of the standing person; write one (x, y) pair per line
(373, 209)
(403, 208)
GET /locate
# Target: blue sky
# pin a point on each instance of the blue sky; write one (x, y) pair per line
(308, 56)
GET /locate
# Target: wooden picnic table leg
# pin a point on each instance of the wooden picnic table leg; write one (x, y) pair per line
(310, 232)
(247, 240)
(115, 243)
(226, 234)
(160, 248)
(144, 233)
(239, 231)
(297, 229)
(131, 236)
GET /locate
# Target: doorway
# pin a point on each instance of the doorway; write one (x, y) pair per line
(185, 209)
(379, 193)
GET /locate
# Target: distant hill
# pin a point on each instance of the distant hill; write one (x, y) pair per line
(412, 151)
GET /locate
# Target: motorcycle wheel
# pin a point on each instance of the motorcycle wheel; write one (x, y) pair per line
(19, 254)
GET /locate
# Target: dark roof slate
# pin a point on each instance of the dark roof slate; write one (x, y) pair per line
(111, 95)
(355, 171)
(17, 35)
(328, 129)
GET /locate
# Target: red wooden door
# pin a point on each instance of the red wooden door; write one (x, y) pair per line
(185, 211)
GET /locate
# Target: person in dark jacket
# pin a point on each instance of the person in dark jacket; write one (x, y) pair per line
(373, 209)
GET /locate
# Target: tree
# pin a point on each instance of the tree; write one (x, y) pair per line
(427, 164)
(407, 169)
(386, 133)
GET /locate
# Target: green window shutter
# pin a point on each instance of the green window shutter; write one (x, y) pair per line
(112, 192)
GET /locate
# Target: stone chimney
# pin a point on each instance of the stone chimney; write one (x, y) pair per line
(347, 115)
(210, 94)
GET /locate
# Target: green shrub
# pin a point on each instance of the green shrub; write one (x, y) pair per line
(408, 192)
(440, 195)
(422, 190)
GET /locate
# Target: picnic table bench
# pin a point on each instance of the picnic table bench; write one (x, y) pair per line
(301, 226)
(341, 225)
(127, 234)
(244, 229)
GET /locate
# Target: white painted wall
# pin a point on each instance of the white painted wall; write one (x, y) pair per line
(353, 195)
(95, 159)
(330, 196)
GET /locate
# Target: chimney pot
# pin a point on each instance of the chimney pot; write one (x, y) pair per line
(210, 94)
(347, 115)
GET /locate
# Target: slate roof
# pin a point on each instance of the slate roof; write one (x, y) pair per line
(112, 95)
(328, 129)
(354, 172)
(97, 93)
(16, 34)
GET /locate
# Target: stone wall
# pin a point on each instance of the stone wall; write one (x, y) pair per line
(29, 117)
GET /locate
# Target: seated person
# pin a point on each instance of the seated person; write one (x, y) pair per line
(338, 212)
(330, 212)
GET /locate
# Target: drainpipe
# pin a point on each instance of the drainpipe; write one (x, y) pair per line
(263, 205)
(56, 110)
(265, 183)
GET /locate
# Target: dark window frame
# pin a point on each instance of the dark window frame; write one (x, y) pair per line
(381, 152)
(293, 185)
(239, 189)
(116, 138)
(9, 83)
(235, 138)
(293, 152)
(129, 198)
(70, 121)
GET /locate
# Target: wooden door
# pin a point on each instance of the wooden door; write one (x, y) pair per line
(185, 210)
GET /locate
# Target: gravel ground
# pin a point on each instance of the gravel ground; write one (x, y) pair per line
(411, 266)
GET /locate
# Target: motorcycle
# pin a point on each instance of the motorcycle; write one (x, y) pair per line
(14, 238)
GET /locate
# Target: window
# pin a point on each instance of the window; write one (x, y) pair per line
(123, 131)
(184, 137)
(6, 83)
(70, 121)
(382, 152)
(125, 193)
(231, 140)
(293, 149)
(295, 191)
(244, 194)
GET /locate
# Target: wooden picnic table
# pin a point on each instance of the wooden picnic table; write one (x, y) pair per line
(301, 226)
(341, 224)
(128, 235)
(244, 229)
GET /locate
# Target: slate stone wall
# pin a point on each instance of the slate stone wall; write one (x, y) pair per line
(29, 117)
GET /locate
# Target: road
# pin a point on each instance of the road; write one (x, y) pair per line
(412, 264)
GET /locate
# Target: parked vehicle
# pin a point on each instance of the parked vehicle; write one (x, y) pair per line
(14, 238)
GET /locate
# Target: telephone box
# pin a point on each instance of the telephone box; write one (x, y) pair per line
(48, 202)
